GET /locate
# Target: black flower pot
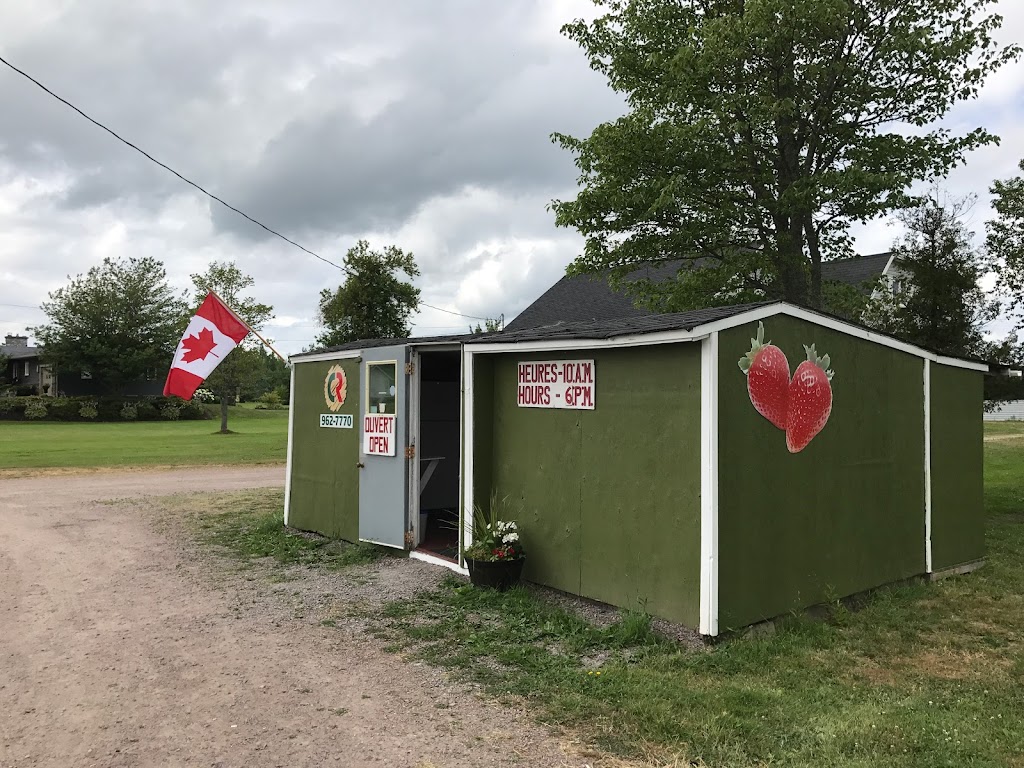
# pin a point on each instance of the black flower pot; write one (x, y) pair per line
(497, 574)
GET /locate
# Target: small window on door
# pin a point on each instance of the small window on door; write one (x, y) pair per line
(381, 387)
(26, 367)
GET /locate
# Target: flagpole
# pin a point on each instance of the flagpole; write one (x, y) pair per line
(251, 330)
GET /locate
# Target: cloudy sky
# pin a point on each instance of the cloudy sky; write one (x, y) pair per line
(421, 124)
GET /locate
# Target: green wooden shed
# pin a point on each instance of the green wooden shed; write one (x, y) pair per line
(653, 470)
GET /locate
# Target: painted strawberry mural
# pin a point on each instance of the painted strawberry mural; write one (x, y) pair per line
(799, 405)
(810, 400)
(767, 371)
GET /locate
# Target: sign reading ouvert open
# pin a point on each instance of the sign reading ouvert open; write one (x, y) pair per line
(379, 435)
(556, 384)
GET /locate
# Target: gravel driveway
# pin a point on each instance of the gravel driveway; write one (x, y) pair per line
(115, 651)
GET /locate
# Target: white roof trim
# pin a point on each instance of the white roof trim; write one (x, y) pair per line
(441, 346)
(348, 354)
(633, 340)
(701, 331)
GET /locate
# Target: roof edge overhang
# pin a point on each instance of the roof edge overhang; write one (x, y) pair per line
(700, 332)
(319, 357)
(493, 344)
(349, 354)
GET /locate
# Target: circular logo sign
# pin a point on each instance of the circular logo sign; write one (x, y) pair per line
(335, 388)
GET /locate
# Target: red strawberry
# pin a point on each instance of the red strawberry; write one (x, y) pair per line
(810, 400)
(767, 372)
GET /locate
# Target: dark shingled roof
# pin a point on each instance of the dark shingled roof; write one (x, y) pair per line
(606, 329)
(15, 352)
(857, 270)
(623, 326)
(590, 298)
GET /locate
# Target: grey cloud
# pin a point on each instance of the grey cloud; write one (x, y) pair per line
(207, 90)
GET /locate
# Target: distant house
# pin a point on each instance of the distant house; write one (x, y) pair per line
(1012, 410)
(26, 371)
(587, 298)
(24, 368)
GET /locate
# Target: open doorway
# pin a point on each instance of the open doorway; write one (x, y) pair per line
(439, 377)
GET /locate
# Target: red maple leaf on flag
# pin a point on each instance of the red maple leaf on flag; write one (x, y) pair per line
(197, 348)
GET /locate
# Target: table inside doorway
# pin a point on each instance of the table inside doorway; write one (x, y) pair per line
(432, 463)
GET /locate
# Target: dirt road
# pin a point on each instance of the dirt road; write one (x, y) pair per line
(112, 654)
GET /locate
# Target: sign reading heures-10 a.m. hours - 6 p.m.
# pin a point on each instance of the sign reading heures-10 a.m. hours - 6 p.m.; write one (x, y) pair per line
(556, 384)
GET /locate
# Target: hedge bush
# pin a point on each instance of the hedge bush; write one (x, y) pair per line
(35, 410)
(99, 409)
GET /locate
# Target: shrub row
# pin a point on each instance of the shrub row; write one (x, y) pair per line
(100, 409)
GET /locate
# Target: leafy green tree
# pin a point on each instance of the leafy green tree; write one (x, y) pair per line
(270, 374)
(5, 367)
(758, 131)
(491, 325)
(1002, 388)
(229, 282)
(936, 301)
(373, 302)
(1005, 240)
(118, 321)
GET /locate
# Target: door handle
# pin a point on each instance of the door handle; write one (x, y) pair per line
(360, 464)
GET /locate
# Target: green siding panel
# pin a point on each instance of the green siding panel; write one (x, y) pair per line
(483, 429)
(958, 522)
(324, 473)
(611, 497)
(845, 514)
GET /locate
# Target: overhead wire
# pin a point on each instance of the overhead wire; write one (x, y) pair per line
(145, 154)
(191, 183)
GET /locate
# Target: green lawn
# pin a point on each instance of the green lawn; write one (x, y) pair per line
(260, 438)
(924, 675)
(1004, 428)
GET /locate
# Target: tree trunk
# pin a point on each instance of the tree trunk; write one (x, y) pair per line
(814, 248)
(223, 415)
(791, 264)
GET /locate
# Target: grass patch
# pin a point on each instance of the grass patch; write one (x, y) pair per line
(1004, 427)
(249, 526)
(924, 675)
(260, 437)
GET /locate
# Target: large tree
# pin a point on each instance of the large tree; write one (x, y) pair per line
(758, 131)
(117, 322)
(373, 302)
(1005, 240)
(936, 300)
(245, 361)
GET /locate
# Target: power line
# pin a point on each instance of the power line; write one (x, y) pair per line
(22, 306)
(191, 183)
(441, 309)
(143, 152)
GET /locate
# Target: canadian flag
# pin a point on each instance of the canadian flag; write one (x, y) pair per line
(211, 335)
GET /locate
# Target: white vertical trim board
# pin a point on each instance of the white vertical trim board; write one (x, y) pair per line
(291, 441)
(709, 485)
(928, 466)
(466, 537)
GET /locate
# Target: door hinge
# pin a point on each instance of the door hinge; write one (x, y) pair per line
(410, 452)
(410, 369)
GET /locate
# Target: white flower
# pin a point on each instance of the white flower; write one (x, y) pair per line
(508, 538)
